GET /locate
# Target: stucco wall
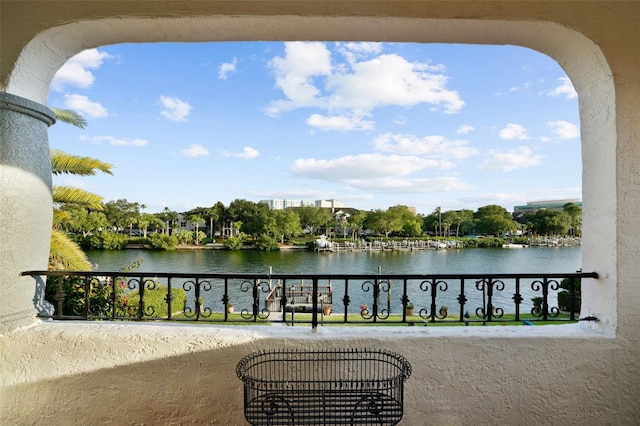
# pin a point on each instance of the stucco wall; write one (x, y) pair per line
(167, 374)
(588, 374)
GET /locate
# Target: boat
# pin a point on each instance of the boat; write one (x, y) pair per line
(323, 243)
(514, 245)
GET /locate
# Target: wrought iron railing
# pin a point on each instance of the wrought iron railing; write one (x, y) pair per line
(315, 299)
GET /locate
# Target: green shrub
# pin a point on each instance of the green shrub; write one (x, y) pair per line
(163, 242)
(564, 297)
(154, 300)
(107, 240)
(100, 295)
(184, 236)
(234, 243)
(266, 243)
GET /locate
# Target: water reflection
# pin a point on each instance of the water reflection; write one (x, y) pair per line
(492, 261)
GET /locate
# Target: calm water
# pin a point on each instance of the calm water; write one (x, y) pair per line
(494, 261)
(484, 260)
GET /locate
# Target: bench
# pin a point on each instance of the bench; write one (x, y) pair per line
(328, 387)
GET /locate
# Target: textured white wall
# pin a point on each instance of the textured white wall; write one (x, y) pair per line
(25, 192)
(72, 373)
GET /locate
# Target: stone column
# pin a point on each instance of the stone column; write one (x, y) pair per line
(25, 205)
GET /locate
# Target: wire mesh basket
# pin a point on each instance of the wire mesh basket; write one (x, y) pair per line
(328, 387)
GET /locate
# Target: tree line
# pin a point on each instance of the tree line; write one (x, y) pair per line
(245, 220)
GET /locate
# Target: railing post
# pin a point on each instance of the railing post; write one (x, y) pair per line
(517, 299)
(462, 300)
(545, 298)
(87, 294)
(141, 301)
(169, 298)
(256, 283)
(60, 295)
(314, 304)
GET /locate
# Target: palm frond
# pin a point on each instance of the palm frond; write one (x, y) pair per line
(69, 117)
(66, 255)
(61, 218)
(68, 195)
(63, 163)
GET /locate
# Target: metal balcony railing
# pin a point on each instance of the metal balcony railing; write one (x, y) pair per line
(314, 299)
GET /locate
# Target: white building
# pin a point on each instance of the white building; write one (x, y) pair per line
(332, 204)
(284, 204)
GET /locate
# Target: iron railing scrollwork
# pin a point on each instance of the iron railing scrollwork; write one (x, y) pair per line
(309, 298)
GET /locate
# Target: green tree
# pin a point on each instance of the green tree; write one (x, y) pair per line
(431, 222)
(313, 218)
(356, 222)
(64, 253)
(84, 221)
(463, 220)
(211, 215)
(196, 220)
(551, 222)
(376, 221)
(575, 213)
(494, 219)
(122, 214)
(287, 224)
(184, 236)
(163, 241)
(148, 221)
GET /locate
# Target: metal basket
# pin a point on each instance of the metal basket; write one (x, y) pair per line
(329, 387)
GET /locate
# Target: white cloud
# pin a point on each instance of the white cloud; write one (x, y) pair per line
(247, 153)
(195, 150)
(400, 121)
(339, 122)
(353, 51)
(360, 167)
(391, 80)
(117, 141)
(513, 159)
(307, 78)
(435, 147)
(81, 104)
(227, 68)
(377, 172)
(499, 198)
(76, 71)
(514, 132)
(174, 109)
(411, 186)
(564, 129)
(464, 129)
(565, 89)
(295, 73)
(524, 86)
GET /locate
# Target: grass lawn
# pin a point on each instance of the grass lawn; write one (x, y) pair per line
(337, 319)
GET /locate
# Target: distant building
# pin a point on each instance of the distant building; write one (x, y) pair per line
(534, 206)
(284, 204)
(331, 204)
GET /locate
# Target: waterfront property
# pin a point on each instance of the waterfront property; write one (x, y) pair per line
(97, 372)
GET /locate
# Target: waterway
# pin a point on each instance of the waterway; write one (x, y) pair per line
(456, 261)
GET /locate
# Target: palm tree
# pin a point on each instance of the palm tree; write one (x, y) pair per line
(195, 220)
(64, 253)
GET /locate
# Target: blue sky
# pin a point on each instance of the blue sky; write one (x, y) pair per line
(370, 124)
